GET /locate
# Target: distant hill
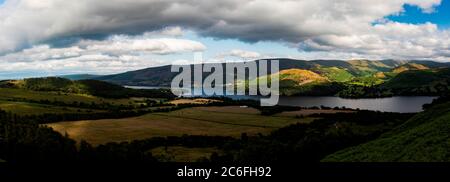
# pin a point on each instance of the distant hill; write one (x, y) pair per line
(408, 67)
(156, 76)
(431, 64)
(425, 137)
(162, 76)
(79, 76)
(365, 67)
(415, 82)
(88, 87)
(304, 82)
(355, 78)
(334, 73)
(301, 77)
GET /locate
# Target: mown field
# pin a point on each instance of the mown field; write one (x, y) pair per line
(211, 121)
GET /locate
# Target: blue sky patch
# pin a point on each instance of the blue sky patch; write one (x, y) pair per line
(414, 15)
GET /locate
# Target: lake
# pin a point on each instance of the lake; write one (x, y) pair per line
(390, 104)
(400, 104)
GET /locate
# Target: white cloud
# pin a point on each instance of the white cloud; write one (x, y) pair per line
(122, 44)
(26, 22)
(115, 54)
(95, 64)
(388, 40)
(42, 52)
(242, 54)
(114, 45)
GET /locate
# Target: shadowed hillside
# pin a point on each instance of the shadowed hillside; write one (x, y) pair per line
(425, 137)
(88, 87)
(420, 82)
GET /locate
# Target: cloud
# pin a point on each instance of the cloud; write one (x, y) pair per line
(27, 22)
(122, 44)
(42, 52)
(391, 39)
(118, 53)
(242, 54)
(115, 45)
(90, 63)
(175, 31)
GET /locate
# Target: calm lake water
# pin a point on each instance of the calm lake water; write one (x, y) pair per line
(391, 104)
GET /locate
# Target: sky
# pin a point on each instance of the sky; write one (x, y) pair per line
(58, 37)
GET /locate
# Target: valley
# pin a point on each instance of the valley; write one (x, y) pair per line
(349, 79)
(97, 120)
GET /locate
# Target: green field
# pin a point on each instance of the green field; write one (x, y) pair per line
(213, 121)
(9, 93)
(24, 108)
(26, 102)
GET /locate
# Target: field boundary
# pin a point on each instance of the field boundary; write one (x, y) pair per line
(219, 122)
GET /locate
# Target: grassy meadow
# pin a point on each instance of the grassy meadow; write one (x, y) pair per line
(214, 121)
(11, 93)
(27, 102)
(25, 108)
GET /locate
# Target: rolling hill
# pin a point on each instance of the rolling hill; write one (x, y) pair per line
(408, 67)
(334, 73)
(156, 76)
(354, 78)
(300, 77)
(304, 82)
(335, 70)
(422, 82)
(366, 67)
(87, 87)
(425, 137)
(79, 76)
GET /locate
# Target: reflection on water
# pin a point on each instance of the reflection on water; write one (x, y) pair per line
(391, 104)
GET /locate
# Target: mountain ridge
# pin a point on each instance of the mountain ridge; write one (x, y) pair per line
(162, 75)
